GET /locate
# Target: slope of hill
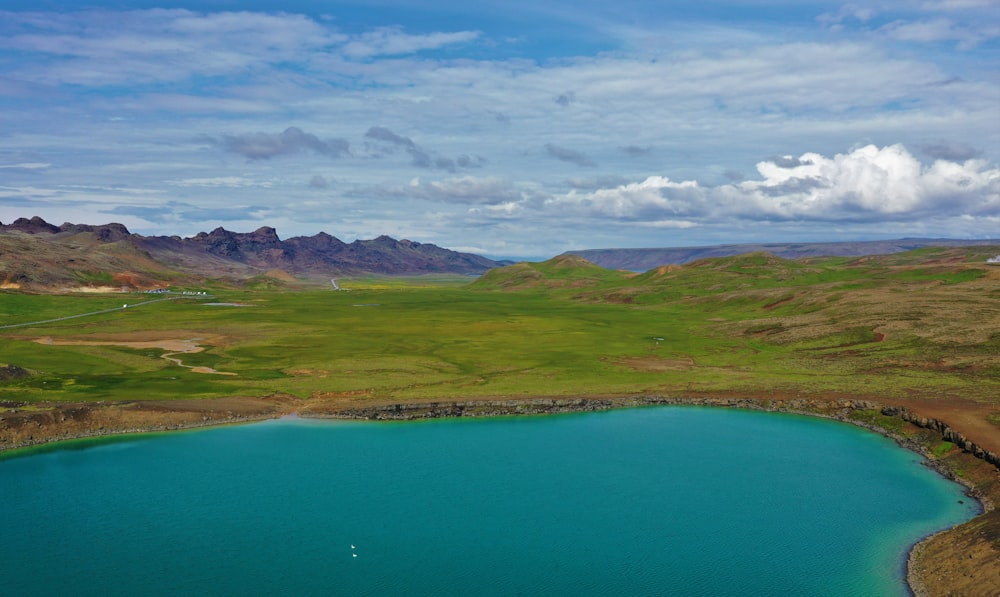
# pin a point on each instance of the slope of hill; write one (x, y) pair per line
(641, 260)
(563, 271)
(35, 253)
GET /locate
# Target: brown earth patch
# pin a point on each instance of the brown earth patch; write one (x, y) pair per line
(173, 345)
(279, 274)
(666, 269)
(778, 303)
(654, 363)
(307, 373)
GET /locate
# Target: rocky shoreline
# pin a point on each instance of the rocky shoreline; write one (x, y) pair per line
(23, 429)
(833, 409)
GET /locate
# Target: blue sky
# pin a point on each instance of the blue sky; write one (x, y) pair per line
(516, 129)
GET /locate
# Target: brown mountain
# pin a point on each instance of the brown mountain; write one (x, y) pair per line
(34, 252)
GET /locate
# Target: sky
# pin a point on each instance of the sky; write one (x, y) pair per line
(513, 129)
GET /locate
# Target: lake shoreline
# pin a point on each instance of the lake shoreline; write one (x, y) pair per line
(50, 424)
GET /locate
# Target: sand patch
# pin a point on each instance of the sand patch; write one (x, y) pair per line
(95, 289)
(308, 373)
(175, 346)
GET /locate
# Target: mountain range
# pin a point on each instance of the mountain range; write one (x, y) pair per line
(35, 253)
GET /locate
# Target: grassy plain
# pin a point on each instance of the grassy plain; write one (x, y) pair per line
(918, 325)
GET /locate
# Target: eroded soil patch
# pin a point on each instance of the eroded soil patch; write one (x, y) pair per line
(175, 346)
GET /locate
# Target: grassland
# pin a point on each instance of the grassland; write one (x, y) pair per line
(913, 326)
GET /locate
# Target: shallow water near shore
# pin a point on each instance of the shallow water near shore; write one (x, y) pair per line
(656, 500)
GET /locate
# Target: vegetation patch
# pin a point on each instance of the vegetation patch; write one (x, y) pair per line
(876, 419)
(942, 448)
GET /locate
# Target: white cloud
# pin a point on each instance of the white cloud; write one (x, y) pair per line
(109, 48)
(392, 41)
(941, 29)
(653, 198)
(846, 12)
(866, 184)
(469, 190)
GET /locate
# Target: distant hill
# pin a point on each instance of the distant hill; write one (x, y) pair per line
(562, 271)
(641, 260)
(759, 277)
(36, 253)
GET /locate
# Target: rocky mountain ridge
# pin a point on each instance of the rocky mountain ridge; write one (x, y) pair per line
(35, 251)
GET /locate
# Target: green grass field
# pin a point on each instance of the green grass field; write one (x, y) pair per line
(891, 327)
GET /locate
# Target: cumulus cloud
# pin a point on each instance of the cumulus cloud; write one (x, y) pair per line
(262, 146)
(867, 184)
(872, 181)
(572, 156)
(649, 200)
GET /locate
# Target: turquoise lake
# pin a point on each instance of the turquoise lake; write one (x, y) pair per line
(645, 501)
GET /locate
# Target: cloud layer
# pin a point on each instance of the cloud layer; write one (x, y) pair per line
(522, 130)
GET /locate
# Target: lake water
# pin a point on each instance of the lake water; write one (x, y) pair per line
(647, 501)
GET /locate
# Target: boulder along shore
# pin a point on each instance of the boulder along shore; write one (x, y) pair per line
(964, 560)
